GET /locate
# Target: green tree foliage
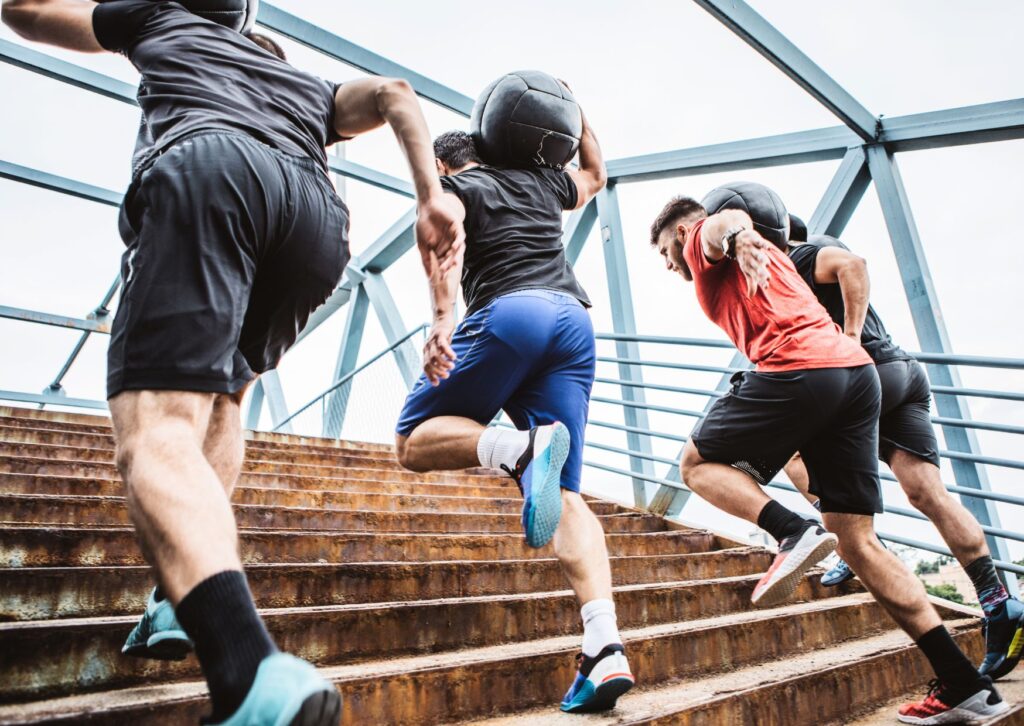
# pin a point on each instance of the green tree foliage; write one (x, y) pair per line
(945, 590)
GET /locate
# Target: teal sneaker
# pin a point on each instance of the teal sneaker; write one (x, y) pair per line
(287, 692)
(158, 634)
(539, 476)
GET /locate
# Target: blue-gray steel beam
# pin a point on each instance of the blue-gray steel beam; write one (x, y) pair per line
(763, 37)
(348, 356)
(101, 313)
(394, 329)
(252, 416)
(274, 393)
(577, 230)
(931, 332)
(59, 70)
(45, 180)
(348, 52)
(670, 501)
(624, 321)
(52, 400)
(842, 196)
(998, 121)
(398, 239)
(60, 321)
(766, 151)
(365, 174)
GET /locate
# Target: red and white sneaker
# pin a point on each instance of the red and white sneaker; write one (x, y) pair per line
(983, 704)
(797, 554)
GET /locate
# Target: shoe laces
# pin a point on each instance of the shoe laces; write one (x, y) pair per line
(935, 688)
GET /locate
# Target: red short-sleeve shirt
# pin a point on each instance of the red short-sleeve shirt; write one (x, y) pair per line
(783, 328)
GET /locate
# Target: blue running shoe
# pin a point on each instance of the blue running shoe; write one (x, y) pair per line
(287, 692)
(837, 575)
(1004, 640)
(539, 476)
(599, 681)
(158, 634)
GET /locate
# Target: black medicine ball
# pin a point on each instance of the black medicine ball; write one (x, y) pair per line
(238, 15)
(524, 119)
(764, 206)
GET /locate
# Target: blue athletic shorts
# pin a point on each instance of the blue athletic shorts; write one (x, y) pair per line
(530, 353)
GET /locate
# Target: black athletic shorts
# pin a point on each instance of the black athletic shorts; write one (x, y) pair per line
(230, 246)
(829, 415)
(906, 422)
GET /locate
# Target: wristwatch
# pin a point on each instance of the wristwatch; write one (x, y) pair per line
(728, 242)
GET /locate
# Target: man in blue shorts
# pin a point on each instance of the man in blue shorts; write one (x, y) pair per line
(526, 346)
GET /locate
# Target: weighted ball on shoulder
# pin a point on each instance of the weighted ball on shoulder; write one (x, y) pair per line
(764, 206)
(524, 119)
(238, 15)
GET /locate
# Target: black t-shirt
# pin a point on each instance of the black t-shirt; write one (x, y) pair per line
(873, 337)
(514, 232)
(197, 75)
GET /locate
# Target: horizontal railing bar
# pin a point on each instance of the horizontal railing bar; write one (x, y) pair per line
(967, 491)
(60, 70)
(631, 453)
(636, 475)
(660, 387)
(368, 175)
(970, 360)
(981, 425)
(638, 430)
(667, 340)
(52, 182)
(939, 550)
(60, 321)
(914, 514)
(979, 459)
(666, 364)
(50, 400)
(649, 407)
(978, 393)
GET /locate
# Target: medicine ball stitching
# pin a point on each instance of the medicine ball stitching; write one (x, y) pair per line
(539, 159)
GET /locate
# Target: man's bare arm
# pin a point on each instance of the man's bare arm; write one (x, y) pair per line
(438, 356)
(836, 265)
(592, 175)
(369, 103)
(63, 23)
(750, 248)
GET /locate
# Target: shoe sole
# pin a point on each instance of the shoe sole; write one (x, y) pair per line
(785, 585)
(605, 696)
(1013, 654)
(162, 646)
(322, 708)
(545, 505)
(956, 715)
(850, 574)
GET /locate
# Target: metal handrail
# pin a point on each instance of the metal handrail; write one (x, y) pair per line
(349, 376)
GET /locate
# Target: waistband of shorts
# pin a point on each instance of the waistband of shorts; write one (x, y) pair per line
(544, 293)
(302, 162)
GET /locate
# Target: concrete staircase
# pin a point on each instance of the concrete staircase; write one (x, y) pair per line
(416, 595)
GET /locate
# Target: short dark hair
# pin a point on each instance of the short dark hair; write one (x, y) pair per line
(676, 209)
(455, 149)
(797, 229)
(268, 44)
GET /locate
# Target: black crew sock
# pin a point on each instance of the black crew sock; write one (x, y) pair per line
(950, 665)
(992, 596)
(779, 522)
(231, 640)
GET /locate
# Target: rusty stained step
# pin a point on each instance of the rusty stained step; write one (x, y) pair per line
(471, 684)
(48, 593)
(112, 511)
(113, 486)
(51, 658)
(25, 465)
(823, 685)
(366, 498)
(65, 546)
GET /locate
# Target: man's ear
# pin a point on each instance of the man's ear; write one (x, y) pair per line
(681, 233)
(441, 171)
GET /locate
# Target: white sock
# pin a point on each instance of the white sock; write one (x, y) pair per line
(600, 627)
(499, 445)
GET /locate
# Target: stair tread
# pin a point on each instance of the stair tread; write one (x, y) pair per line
(1011, 688)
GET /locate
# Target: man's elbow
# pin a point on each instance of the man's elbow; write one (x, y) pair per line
(857, 266)
(390, 90)
(20, 16)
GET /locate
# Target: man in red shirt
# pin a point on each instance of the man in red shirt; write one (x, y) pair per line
(813, 390)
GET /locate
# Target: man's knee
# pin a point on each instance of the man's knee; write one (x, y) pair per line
(691, 459)
(404, 453)
(157, 424)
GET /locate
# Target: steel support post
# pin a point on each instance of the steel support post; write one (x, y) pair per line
(252, 416)
(842, 196)
(348, 355)
(274, 393)
(577, 230)
(669, 501)
(391, 320)
(931, 332)
(624, 322)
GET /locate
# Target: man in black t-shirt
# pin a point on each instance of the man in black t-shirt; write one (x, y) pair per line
(234, 235)
(526, 346)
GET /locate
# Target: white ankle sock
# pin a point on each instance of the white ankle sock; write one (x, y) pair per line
(600, 627)
(499, 446)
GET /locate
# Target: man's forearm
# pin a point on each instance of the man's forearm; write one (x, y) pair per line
(444, 287)
(855, 286)
(398, 106)
(715, 228)
(63, 23)
(591, 158)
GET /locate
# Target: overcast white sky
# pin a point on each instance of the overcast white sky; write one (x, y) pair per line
(653, 75)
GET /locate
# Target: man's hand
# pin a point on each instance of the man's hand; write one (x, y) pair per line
(439, 230)
(855, 334)
(438, 356)
(752, 257)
